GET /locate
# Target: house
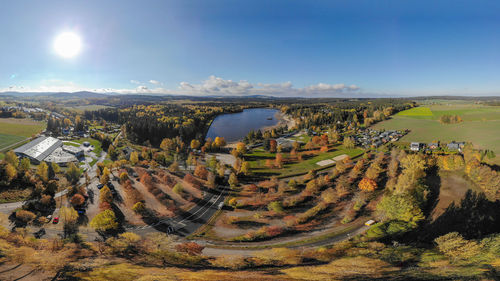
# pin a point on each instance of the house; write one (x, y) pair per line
(433, 145)
(453, 146)
(415, 146)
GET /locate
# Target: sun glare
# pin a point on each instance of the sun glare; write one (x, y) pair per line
(67, 44)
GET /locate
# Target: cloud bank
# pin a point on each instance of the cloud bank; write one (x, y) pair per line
(213, 86)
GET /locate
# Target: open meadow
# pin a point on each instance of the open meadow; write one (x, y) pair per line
(481, 125)
(15, 130)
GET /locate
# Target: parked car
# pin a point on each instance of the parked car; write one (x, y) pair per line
(99, 186)
(49, 217)
(55, 220)
(80, 211)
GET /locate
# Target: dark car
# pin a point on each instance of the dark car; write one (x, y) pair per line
(80, 211)
(39, 233)
(99, 186)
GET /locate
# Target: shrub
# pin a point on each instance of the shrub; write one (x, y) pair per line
(178, 188)
(275, 206)
(25, 216)
(190, 248)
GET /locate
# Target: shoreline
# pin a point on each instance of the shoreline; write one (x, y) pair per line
(283, 119)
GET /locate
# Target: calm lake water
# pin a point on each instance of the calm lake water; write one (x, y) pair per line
(235, 126)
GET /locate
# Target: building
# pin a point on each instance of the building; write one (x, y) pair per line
(49, 149)
(452, 146)
(433, 145)
(38, 149)
(77, 151)
(415, 146)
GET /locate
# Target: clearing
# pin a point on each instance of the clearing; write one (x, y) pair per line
(453, 188)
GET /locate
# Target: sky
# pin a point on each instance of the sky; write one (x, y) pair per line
(280, 47)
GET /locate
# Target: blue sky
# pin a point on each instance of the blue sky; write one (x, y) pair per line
(305, 48)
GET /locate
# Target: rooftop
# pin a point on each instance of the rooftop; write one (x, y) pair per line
(39, 148)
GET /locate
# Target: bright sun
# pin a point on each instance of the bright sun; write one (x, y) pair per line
(67, 44)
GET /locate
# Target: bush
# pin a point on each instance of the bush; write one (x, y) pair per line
(178, 188)
(275, 206)
(25, 216)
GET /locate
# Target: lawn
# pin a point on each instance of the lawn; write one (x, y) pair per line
(481, 126)
(94, 142)
(15, 130)
(258, 158)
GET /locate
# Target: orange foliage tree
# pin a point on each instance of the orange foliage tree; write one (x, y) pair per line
(367, 184)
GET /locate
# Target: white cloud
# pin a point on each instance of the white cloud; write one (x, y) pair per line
(155, 82)
(212, 86)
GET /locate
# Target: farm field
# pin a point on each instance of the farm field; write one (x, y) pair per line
(418, 112)
(481, 126)
(15, 130)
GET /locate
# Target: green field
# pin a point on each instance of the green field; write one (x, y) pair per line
(15, 130)
(258, 158)
(417, 112)
(97, 144)
(481, 126)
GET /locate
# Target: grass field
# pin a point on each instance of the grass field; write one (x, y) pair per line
(257, 161)
(97, 144)
(481, 126)
(15, 130)
(417, 112)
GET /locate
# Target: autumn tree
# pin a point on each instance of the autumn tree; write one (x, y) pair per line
(123, 177)
(201, 172)
(43, 171)
(104, 221)
(134, 157)
(73, 173)
(272, 146)
(178, 188)
(25, 165)
(340, 167)
(77, 200)
(11, 158)
(195, 144)
(349, 142)
(10, 171)
(279, 160)
(219, 142)
(25, 216)
(233, 180)
(105, 195)
(69, 217)
(174, 167)
(190, 248)
(211, 180)
(275, 206)
(241, 148)
(367, 184)
(402, 207)
(245, 168)
(456, 247)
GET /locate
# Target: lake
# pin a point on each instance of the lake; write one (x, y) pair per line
(235, 126)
